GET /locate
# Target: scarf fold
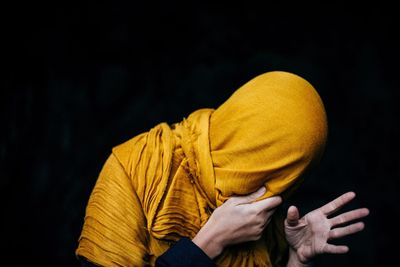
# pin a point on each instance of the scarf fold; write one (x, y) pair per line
(164, 184)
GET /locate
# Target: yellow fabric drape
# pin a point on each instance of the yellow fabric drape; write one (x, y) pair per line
(164, 184)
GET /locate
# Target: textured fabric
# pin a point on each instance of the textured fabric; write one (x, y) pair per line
(164, 184)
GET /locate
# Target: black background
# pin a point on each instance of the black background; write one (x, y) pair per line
(80, 79)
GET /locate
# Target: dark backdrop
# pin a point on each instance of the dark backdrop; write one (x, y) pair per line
(80, 79)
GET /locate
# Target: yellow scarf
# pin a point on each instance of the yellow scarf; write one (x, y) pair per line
(164, 184)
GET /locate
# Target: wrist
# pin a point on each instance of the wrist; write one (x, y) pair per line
(207, 241)
(294, 260)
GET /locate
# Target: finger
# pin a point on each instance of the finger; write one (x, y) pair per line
(338, 203)
(334, 249)
(293, 216)
(349, 216)
(347, 230)
(249, 198)
(267, 204)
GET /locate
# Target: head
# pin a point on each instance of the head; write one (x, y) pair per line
(269, 132)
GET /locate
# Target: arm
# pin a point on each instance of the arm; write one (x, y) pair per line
(238, 220)
(184, 253)
(308, 236)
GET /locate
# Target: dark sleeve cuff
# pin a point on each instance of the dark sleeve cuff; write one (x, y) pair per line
(184, 253)
(86, 263)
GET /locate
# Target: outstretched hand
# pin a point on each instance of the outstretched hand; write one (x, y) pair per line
(308, 236)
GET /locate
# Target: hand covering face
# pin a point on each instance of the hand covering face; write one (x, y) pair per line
(164, 184)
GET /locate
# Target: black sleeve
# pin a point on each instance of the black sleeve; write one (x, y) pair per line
(183, 253)
(86, 263)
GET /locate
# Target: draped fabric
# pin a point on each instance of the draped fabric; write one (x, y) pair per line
(164, 184)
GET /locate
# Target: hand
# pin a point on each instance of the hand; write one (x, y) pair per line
(238, 220)
(309, 236)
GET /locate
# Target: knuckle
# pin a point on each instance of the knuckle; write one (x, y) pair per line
(253, 238)
(257, 237)
(255, 218)
(260, 221)
(259, 231)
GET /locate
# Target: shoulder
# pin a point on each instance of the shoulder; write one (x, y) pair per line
(126, 151)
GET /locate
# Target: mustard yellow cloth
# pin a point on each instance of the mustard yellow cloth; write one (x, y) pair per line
(164, 184)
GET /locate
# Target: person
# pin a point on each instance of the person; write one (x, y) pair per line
(178, 194)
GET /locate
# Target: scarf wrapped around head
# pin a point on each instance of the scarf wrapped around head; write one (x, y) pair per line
(164, 184)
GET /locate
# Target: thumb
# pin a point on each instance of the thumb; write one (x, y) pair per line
(292, 218)
(251, 197)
